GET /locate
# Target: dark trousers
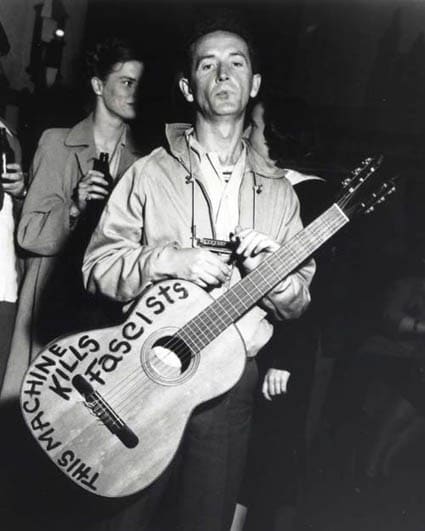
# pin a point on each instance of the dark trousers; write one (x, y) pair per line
(198, 492)
(7, 321)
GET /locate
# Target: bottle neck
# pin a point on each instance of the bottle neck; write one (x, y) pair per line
(3, 137)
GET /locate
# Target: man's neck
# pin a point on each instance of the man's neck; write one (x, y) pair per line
(223, 137)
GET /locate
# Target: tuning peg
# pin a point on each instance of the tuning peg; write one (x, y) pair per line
(379, 197)
(360, 174)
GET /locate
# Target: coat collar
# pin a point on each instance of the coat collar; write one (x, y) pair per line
(176, 137)
(81, 136)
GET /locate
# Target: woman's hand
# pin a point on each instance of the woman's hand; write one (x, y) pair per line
(93, 186)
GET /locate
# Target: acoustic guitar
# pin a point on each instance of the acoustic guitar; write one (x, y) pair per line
(109, 407)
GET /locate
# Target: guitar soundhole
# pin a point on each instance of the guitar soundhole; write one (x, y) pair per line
(167, 359)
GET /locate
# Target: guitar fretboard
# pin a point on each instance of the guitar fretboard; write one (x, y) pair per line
(241, 297)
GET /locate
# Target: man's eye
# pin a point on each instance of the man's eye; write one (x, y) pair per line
(206, 66)
(238, 64)
(128, 82)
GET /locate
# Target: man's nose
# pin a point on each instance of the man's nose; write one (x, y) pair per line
(222, 73)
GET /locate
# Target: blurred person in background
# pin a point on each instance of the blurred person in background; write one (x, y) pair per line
(277, 453)
(14, 190)
(63, 204)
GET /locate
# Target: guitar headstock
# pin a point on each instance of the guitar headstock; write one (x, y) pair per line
(362, 191)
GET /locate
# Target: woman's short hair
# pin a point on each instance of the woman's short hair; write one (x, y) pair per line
(100, 61)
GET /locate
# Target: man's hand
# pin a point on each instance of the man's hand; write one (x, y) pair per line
(204, 268)
(13, 181)
(253, 247)
(93, 186)
(275, 383)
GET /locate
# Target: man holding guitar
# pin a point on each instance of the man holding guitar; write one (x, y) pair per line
(207, 185)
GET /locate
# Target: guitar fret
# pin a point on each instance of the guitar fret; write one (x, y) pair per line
(190, 339)
(209, 327)
(197, 328)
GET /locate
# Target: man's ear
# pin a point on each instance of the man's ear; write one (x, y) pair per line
(97, 86)
(186, 90)
(255, 86)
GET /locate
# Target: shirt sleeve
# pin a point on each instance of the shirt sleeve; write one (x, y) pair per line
(291, 297)
(117, 262)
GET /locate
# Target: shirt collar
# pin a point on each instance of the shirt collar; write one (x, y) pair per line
(201, 153)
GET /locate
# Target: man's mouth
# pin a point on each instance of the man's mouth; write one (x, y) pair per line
(223, 94)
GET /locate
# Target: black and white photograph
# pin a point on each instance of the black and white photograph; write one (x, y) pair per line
(212, 265)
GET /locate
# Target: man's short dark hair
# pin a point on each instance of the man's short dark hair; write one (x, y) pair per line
(218, 19)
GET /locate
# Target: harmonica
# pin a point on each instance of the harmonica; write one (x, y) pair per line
(217, 246)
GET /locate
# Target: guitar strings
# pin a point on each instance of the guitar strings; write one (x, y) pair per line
(173, 345)
(314, 230)
(130, 382)
(184, 353)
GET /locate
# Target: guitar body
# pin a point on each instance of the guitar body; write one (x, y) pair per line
(109, 406)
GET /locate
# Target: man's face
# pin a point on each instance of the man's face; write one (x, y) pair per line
(221, 75)
(118, 93)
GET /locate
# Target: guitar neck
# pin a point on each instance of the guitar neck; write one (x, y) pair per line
(241, 297)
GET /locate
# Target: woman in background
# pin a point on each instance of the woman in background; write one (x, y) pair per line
(276, 459)
(57, 217)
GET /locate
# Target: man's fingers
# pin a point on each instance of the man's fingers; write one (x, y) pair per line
(217, 266)
(214, 272)
(253, 243)
(245, 242)
(210, 279)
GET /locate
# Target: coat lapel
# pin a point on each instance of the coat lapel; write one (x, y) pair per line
(80, 137)
(129, 154)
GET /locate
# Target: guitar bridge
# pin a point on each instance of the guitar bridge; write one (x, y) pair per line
(102, 410)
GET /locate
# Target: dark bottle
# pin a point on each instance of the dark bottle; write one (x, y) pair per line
(7, 156)
(102, 165)
(95, 206)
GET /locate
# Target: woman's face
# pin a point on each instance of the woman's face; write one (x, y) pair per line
(118, 92)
